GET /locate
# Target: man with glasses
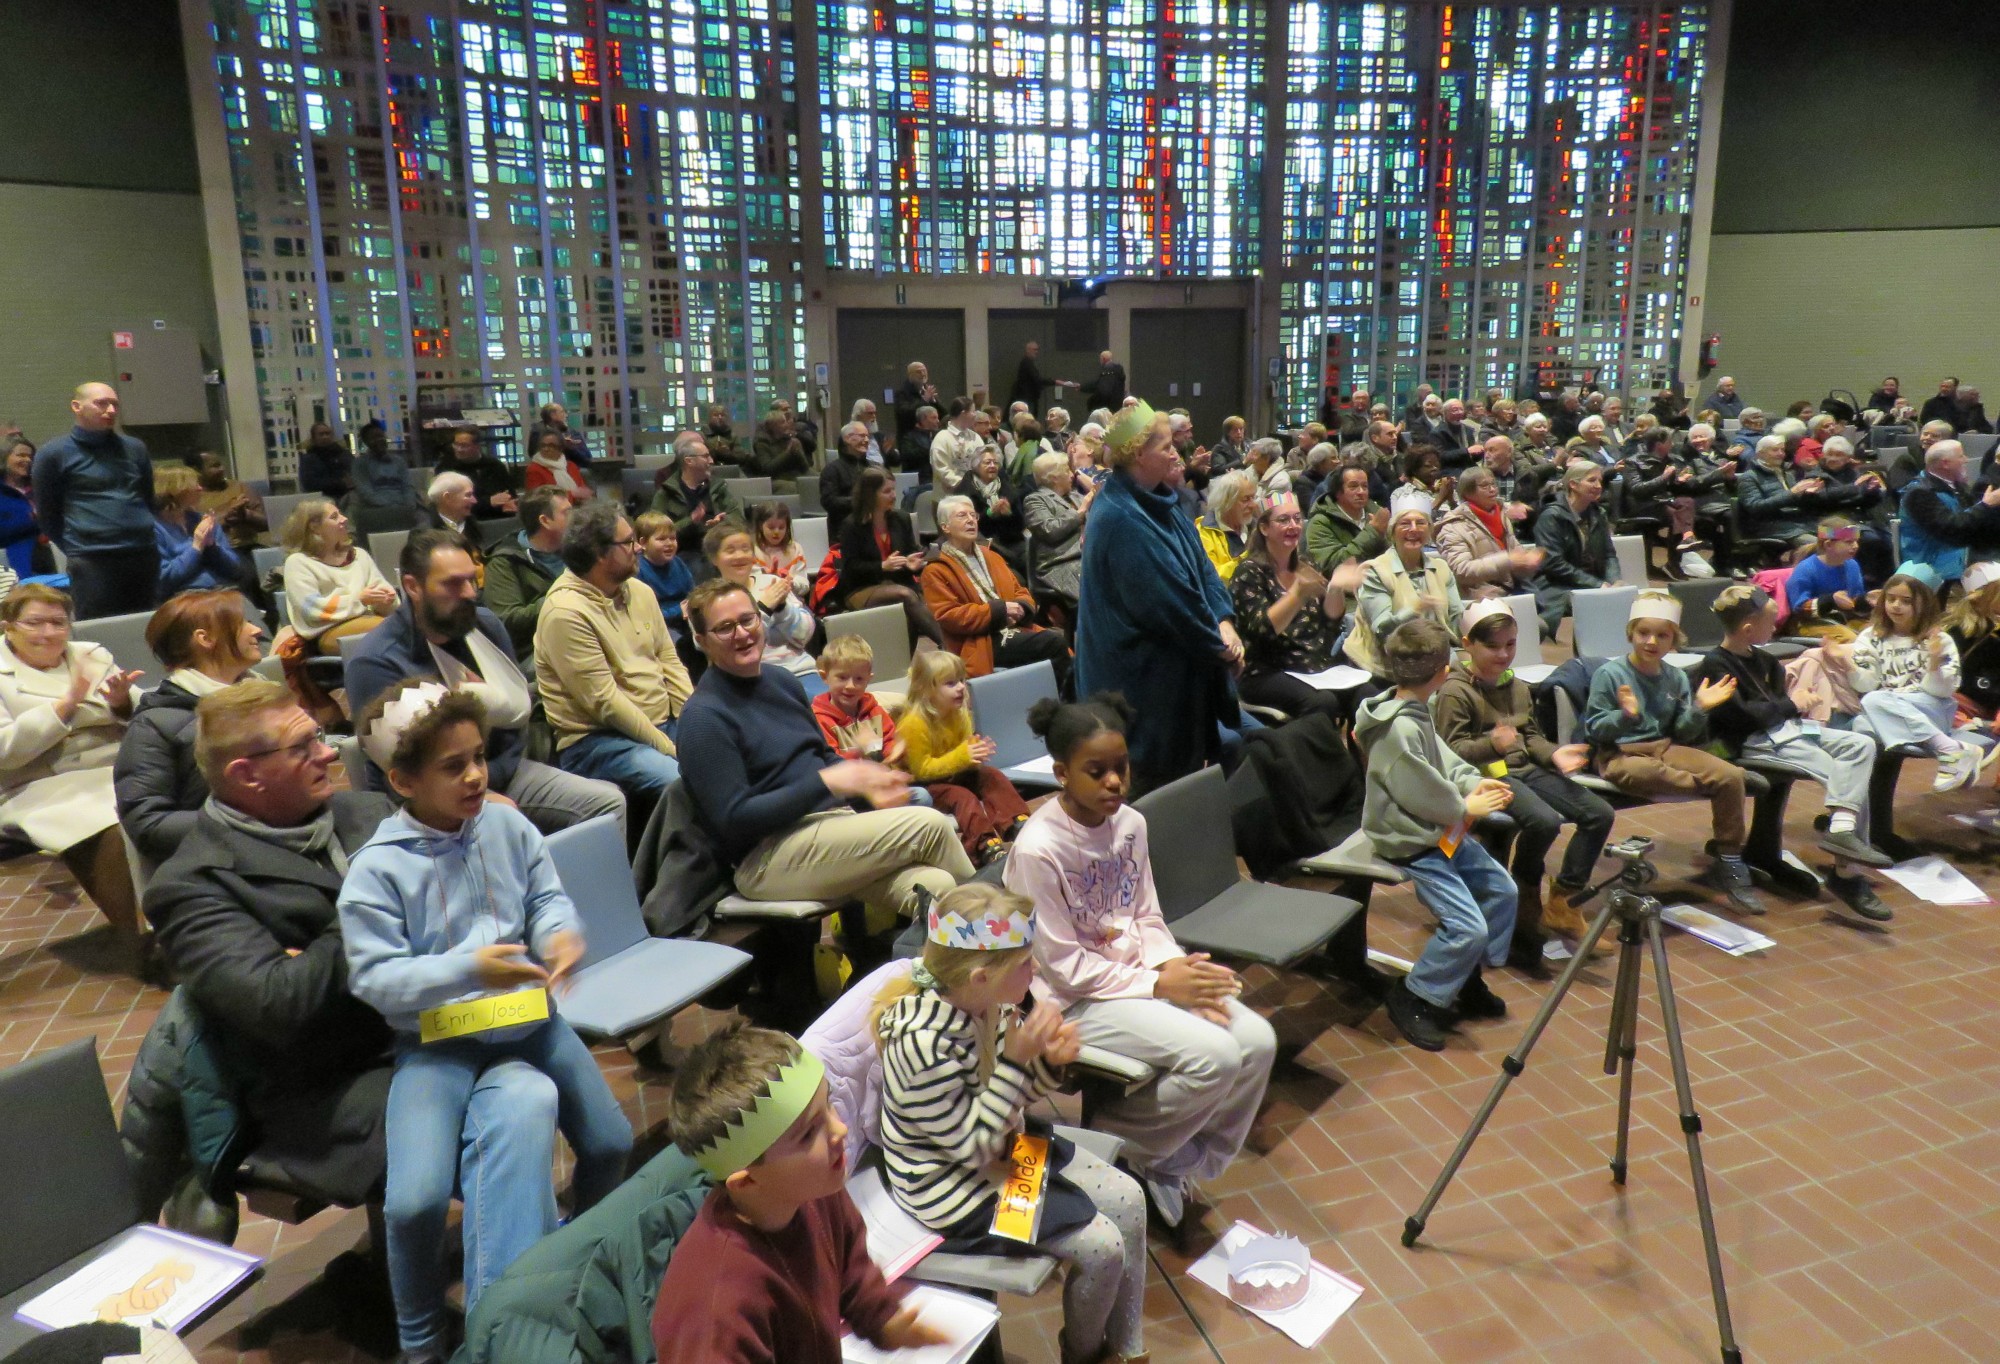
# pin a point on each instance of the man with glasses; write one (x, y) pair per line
(610, 680)
(693, 499)
(245, 915)
(795, 821)
(442, 631)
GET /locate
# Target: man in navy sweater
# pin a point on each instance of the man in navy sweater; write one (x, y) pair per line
(94, 497)
(796, 822)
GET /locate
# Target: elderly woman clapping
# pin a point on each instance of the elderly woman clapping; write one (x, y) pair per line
(1055, 513)
(988, 618)
(1232, 506)
(1403, 583)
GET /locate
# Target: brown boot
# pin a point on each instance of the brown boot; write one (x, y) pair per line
(1564, 919)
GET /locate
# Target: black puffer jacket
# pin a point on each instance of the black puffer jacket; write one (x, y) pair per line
(159, 789)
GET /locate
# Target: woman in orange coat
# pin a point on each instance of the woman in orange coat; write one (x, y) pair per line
(986, 615)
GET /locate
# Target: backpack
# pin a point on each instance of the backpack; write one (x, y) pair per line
(826, 580)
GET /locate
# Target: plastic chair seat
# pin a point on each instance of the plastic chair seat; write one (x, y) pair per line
(1274, 925)
(1128, 1072)
(1354, 857)
(741, 907)
(645, 982)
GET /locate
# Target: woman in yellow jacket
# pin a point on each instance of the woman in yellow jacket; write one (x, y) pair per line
(943, 754)
(1232, 505)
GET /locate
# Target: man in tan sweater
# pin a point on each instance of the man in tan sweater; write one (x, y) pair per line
(610, 680)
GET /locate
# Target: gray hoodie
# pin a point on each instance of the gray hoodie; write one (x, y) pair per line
(1416, 786)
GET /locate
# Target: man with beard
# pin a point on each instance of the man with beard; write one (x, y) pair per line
(440, 630)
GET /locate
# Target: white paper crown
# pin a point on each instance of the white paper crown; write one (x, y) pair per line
(1656, 606)
(1270, 1273)
(1481, 610)
(1408, 499)
(1979, 575)
(411, 705)
(987, 933)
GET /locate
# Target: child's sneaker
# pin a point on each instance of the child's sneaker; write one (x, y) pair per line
(1420, 1021)
(1957, 768)
(1732, 879)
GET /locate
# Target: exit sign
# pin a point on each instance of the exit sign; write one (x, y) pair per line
(121, 340)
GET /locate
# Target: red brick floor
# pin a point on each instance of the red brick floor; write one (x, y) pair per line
(1849, 1080)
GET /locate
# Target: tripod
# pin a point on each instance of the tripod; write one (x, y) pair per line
(1638, 915)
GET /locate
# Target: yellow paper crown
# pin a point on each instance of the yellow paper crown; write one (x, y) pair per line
(757, 1128)
(1130, 426)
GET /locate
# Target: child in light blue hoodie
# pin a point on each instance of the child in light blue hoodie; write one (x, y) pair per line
(454, 905)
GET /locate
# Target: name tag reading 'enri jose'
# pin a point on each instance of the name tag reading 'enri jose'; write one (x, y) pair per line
(470, 1016)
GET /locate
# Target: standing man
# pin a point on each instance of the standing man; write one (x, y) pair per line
(1028, 380)
(93, 492)
(1108, 389)
(917, 391)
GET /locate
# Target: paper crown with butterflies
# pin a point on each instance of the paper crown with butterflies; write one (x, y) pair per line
(983, 932)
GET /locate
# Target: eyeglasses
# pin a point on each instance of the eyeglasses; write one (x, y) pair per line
(41, 623)
(625, 544)
(729, 629)
(1288, 519)
(298, 752)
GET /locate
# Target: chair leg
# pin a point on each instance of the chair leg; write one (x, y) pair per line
(1765, 848)
(1346, 953)
(1882, 809)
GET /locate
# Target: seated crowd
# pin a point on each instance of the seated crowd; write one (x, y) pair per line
(548, 652)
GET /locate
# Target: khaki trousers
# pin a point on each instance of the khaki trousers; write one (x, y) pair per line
(881, 857)
(1659, 767)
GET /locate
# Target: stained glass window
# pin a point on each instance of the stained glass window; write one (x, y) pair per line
(593, 203)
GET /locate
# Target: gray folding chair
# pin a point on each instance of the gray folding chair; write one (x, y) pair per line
(124, 636)
(887, 631)
(266, 560)
(748, 489)
(385, 547)
(924, 515)
(809, 497)
(628, 978)
(811, 533)
(1633, 566)
(1000, 703)
(278, 507)
(1530, 665)
(1597, 620)
(1205, 900)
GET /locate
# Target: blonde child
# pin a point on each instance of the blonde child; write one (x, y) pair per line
(1825, 593)
(1648, 727)
(778, 554)
(960, 1066)
(662, 569)
(1103, 952)
(944, 756)
(1904, 666)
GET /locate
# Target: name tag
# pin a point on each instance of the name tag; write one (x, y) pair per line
(1455, 835)
(1497, 769)
(482, 1015)
(1809, 728)
(1018, 1214)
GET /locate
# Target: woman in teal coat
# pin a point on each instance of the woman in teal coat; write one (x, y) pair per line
(1153, 620)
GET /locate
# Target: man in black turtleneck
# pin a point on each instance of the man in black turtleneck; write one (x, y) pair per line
(94, 498)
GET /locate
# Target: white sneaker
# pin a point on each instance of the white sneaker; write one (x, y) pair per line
(1957, 768)
(1169, 1200)
(1694, 566)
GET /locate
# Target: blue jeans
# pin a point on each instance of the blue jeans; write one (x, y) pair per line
(626, 763)
(482, 1117)
(1474, 899)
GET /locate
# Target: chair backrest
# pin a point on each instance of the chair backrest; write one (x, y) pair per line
(924, 514)
(1631, 550)
(748, 488)
(887, 631)
(1193, 845)
(386, 548)
(906, 479)
(1528, 652)
(724, 471)
(267, 559)
(789, 501)
(811, 533)
(259, 486)
(1699, 622)
(352, 761)
(278, 609)
(278, 508)
(1565, 729)
(597, 876)
(68, 1185)
(348, 644)
(1597, 620)
(809, 496)
(1000, 703)
(1978, 445)
(489, 532)
(636, 481)
(125, 637)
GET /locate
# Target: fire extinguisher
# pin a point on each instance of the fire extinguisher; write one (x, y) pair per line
(1708, 345)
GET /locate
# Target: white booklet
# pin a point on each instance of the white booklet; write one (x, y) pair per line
(1937, 881)
(1337, 678)
(1328, 1297)
(965, 1319)
(896, 1240)
(1732, 938)
(148, 1277)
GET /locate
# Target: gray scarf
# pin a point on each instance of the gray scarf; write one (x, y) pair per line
(313, 840)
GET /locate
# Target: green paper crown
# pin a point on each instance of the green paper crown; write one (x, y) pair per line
(757, 1128)
(1130, 426)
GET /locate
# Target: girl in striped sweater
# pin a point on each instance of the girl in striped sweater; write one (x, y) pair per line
(959, 1068)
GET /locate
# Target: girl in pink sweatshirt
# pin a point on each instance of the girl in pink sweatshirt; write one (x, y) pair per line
(1103, 953)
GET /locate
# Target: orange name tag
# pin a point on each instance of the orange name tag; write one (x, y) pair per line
(1018, 1214)
(1453, 836)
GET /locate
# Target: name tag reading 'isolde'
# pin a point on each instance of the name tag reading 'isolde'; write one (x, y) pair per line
(1018, 1214)
(470, 1016)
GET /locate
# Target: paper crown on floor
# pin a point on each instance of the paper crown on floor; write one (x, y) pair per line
(983, 932)
(379, 739)
(1407, 499)
(1656, 606)
(1484, 610)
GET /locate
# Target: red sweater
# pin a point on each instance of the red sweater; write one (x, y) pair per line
(736, 1295)
(867, 735)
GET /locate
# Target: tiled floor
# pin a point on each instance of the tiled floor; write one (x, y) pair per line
(1849, 1080)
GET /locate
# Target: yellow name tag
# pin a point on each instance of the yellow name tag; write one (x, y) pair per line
(1496, 769)
(1018, 1215)
(482, 1015)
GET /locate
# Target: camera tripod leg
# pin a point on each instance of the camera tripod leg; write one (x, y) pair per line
(1621, 1044)
(1512, 1065)
(1691, 1126)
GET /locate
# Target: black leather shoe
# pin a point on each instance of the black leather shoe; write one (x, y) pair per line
(1477, 1000)
(1420, 1021)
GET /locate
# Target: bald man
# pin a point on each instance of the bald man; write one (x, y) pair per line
(93, 493)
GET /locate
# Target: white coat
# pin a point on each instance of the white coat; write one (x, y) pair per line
(55, 778)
